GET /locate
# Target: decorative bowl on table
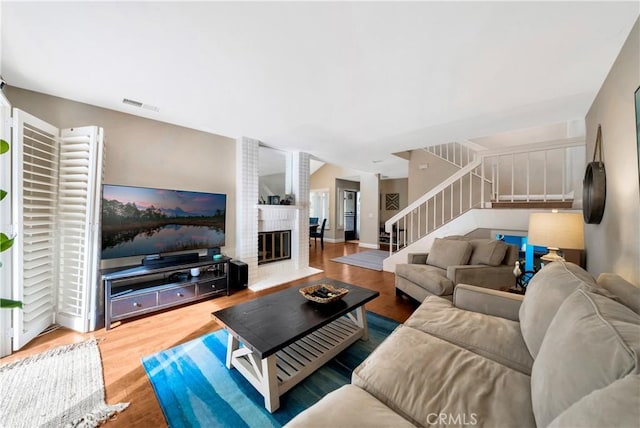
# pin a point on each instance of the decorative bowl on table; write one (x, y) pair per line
(323, 293)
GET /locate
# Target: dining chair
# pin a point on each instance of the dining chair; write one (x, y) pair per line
(319, 234)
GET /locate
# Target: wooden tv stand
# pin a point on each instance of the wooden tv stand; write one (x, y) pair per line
(138, 290)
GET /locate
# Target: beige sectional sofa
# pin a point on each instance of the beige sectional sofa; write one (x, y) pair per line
(457, 260)
(564, 355)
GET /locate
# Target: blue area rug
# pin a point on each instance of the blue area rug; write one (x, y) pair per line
(371, 259)
(195, 389)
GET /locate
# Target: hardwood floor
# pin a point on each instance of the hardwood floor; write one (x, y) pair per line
(122, 347)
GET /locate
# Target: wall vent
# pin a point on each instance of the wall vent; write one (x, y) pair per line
(132, 102)
(138, 104)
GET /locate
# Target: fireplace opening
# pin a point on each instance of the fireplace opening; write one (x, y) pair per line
(274, 246)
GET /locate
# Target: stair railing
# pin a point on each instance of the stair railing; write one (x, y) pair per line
(538, 172)
(451, 198)
(455, 153)
(524, 173)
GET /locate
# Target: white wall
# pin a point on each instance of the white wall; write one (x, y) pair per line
(614, 244)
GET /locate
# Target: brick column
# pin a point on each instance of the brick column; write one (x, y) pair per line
(246, 204)
(301, 190)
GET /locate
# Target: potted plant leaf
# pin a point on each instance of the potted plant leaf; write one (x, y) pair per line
(5, 241)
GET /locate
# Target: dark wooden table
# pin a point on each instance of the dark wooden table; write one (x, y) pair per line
(285, 337)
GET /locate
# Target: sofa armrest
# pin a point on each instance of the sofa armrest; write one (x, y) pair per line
(417, 258)
(484, 300)
(496, 277)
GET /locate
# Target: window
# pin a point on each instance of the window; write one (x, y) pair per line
(319, 205)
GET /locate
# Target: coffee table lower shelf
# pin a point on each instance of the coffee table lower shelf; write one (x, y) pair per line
(277, 373)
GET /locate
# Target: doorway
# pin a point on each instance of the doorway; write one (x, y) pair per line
(351, 215)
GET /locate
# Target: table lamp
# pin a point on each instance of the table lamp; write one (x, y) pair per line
(556, 230)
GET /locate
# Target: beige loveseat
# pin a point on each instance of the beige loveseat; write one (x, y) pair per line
(564, 355)
(457, 260)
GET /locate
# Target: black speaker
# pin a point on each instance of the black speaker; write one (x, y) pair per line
(158, 261)
(213, 251)
(238, 274)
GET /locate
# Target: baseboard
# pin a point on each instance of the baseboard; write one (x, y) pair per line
(332, 240)
(372, 246)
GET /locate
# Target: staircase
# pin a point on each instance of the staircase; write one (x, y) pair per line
(539, 176)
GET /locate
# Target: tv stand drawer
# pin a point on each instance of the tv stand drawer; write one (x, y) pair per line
(176, 295)
(212, 286)
(133, 304)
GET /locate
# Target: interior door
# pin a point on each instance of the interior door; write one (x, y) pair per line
(34, 191)
(350, 215)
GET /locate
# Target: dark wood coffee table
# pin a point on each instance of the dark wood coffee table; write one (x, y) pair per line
(285, 337)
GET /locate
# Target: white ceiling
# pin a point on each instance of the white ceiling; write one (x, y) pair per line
(348, 82)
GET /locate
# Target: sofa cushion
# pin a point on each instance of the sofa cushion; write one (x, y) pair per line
(422, 378)
(348, 406)
(513, 254)
(410, 289)
(496, 338)
(495, 277)
(628, 293)
(487, 252)
(431, 278)
(545, 293)
(449, 252)
(591, 342)
(613, 406)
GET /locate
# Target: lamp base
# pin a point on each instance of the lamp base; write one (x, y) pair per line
(552, 256)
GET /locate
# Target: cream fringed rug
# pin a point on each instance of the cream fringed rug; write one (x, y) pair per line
(62, 387)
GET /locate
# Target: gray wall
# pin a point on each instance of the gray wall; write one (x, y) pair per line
(614, 244)
(148, 153)
(393, 185)
(369, 210)
(423, 180)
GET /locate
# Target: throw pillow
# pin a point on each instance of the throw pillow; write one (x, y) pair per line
(591, 342)
(613, 406)
(447, 252)
(628, 293)
(487, 252)
(545, 293)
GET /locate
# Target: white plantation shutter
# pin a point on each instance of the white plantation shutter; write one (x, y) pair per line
(56, 182)
(80, 177)
(34, 193)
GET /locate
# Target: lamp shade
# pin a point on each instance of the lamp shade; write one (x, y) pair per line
(556, 230)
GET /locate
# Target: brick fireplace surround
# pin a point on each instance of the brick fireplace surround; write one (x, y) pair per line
(253, 218)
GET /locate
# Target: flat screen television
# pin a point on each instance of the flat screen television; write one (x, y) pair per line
(141, 221)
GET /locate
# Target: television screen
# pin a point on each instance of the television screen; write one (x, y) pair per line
(145, 221)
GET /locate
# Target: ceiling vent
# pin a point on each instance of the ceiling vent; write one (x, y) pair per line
(138, 104)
